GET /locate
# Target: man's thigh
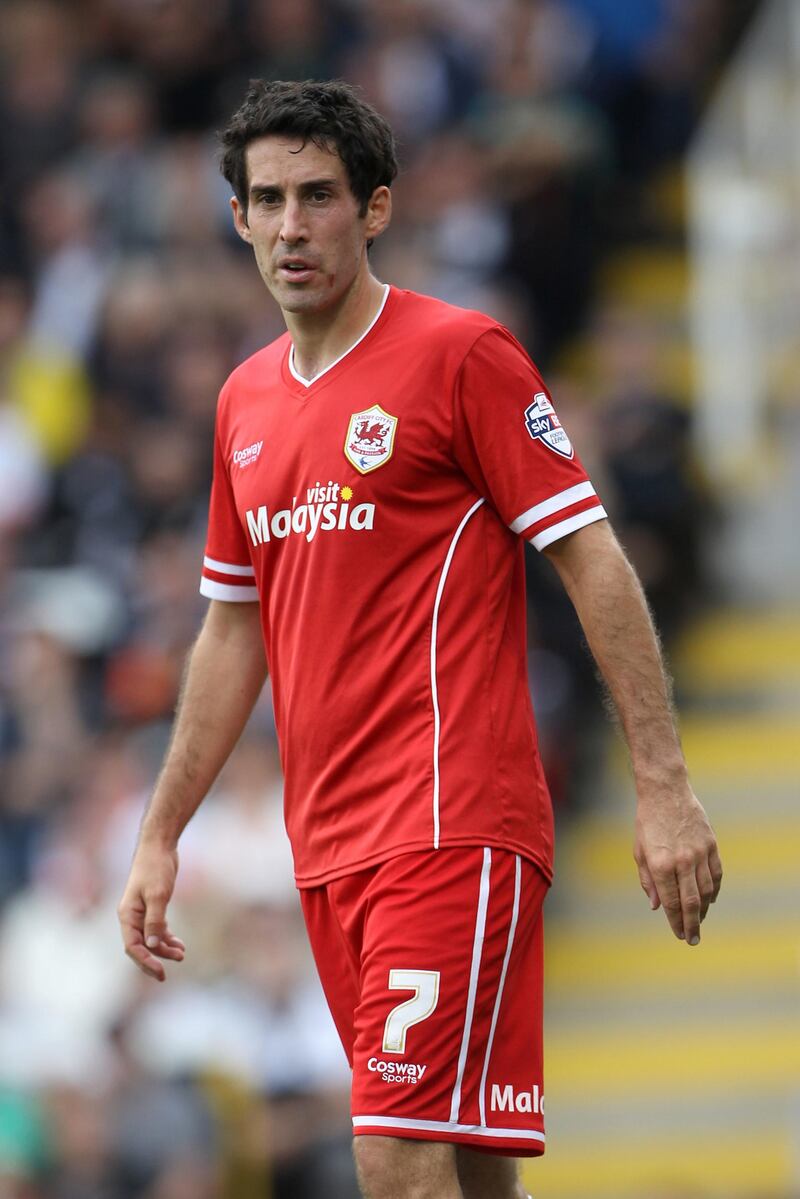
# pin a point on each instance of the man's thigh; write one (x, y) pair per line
(435, 981)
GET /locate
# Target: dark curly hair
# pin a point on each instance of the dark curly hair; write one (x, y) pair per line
(330, 114)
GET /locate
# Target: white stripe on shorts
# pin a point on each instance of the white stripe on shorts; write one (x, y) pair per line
(477, 949)
(495, 1014)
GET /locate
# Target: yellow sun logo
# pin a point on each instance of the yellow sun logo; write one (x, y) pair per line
(346, 493)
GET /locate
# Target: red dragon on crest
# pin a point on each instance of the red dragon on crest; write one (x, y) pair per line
(372, 431)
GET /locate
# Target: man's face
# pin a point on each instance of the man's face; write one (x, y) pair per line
(303, 222)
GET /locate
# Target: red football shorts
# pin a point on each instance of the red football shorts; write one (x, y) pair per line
(432, 966)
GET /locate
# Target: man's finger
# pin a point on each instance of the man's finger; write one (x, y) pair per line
(155, 923)
(648, 886)
(705, 886)
(690, 905)
(670, 896)
(145, 960)
(715, 866)
(169, 947)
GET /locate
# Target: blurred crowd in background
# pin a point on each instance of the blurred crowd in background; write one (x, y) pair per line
(529, 134)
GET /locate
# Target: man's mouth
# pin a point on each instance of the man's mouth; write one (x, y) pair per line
(296, 269)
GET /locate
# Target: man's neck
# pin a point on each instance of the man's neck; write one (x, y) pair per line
(319, 339)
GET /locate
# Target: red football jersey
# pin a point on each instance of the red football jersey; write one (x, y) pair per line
(377, 515)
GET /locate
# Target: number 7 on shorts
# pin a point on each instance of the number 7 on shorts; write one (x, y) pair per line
(425, 985)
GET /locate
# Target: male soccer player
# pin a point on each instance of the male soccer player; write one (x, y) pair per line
(376, 469)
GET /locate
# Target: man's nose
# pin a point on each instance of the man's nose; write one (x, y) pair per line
(293, 227)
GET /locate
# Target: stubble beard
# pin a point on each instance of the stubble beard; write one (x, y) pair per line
(298, 301)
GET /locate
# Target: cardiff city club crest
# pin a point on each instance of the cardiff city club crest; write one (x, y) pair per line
(543, 425)
(370, 439)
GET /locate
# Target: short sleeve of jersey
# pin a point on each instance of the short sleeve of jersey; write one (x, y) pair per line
(228, 573)
(510, 443)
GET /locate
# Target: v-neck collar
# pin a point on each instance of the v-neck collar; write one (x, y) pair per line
(309, 383)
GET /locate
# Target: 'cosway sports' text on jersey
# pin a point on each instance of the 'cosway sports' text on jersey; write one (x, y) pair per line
(377, 514)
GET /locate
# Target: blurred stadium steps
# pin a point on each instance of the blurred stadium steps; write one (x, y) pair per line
(649, 277)
(673, 1072)
(651, 281)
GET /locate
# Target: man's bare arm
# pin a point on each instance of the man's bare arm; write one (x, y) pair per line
(675, 847)
(225, 673)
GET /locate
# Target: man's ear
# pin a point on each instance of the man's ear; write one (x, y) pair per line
(379, 212)
(240, 221)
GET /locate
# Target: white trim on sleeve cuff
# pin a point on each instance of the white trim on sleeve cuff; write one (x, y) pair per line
(563, 499)
(556, 532)
(211, 589)
(228, 568)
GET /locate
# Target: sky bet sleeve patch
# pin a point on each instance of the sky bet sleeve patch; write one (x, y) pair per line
(543, 425)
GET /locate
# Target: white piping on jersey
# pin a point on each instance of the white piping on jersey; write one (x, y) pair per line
(516, 1134)
(499, 999)
(434, 688)
(475, 969)
(567, 526)
(227, 568)
(563, 499)
(308, 382)
(211, 589)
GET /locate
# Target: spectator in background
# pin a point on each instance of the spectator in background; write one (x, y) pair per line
(646, 71)
(455, 226)
(23, 474)
(642, 434)
(71, 267)
(39, 91)
(185, 48)
(131, 339)
(549, 155)
(44, 393)
(117, 158)
(304, 40)
(243, 823)
(418, 68)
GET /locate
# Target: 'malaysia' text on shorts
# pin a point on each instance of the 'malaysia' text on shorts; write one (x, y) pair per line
(505, 1099)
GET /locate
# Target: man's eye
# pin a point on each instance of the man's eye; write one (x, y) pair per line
(270, 198)
(318, 197)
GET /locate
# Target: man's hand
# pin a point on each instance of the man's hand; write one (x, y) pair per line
(143, 910)
(678, 860)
